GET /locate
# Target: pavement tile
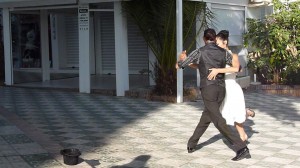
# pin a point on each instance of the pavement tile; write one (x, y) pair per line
(285, 156)
(2, 141)
(17, 139)
(123, 132)
(7, 130)
(291, 166)
(278, 160)
(207, 161)
(230, 164)
(171, 162)
(290, 152)
(277, 145)
(196, 165)
(17, 161)
(41, 160)
(28, 148)
(7, 150)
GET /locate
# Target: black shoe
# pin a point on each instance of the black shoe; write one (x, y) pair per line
(241, 154)
(250, 112)
(190, 150)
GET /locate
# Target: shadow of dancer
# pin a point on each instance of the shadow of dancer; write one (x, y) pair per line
(138, 162)
(248, 129)
(93, 163)
(209, 141)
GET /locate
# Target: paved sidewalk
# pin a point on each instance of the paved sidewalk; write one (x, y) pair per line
(116, 132)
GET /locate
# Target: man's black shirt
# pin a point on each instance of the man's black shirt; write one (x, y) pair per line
(207, 57)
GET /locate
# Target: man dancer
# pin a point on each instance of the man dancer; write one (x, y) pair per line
(213, 92)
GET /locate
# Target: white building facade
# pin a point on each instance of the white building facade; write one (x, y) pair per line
(90, 37)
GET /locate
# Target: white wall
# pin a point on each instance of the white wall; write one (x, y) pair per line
(227, 2)
(258, 12)
(230, 18)
(31, 3)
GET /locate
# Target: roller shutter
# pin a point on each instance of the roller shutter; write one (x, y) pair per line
(137, 47)
(72, 44)
(107, 34)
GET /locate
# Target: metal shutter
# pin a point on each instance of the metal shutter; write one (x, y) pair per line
(72, 44)
(137, 49)
(107, 42)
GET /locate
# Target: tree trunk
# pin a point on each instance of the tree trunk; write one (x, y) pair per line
(276, 76)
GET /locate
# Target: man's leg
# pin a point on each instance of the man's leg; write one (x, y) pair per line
(200, 129)
(213, 96)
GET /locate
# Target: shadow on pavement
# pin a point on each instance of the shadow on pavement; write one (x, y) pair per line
(139, 161)
(93, 163)
(280, 107)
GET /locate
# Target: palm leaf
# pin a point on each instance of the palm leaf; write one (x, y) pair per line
(156, 20)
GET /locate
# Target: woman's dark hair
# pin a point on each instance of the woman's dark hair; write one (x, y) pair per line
(223, 34)
(210, 34)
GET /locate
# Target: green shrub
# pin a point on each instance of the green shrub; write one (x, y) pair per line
(274, 43)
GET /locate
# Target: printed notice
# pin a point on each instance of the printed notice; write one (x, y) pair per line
(83, 16)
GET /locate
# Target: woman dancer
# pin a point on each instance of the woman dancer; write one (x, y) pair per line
(233, 106)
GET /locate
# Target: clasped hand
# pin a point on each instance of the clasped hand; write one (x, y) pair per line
(212, 75)
(182, 57)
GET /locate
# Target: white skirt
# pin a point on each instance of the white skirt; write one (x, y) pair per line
(233, 106)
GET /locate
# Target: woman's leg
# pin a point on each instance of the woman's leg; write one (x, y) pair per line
(240, 128)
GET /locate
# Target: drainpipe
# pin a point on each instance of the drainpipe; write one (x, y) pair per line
(7, 44)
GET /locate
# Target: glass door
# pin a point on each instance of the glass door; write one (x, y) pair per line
(26, 50)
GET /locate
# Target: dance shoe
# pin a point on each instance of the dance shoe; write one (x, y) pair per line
(241, 154)
(190, 150)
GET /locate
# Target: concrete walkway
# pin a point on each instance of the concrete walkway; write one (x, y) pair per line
(122, 132)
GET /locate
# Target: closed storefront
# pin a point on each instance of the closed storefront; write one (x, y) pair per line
(137, 49)
(105, 42)
(105, 45)
(71, 41)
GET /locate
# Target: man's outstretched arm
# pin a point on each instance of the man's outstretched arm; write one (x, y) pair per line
(188, 60)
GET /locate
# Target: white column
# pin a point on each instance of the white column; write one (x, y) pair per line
(152, 60)
(84, 48)
(45, 45)
(199, 43)
(245, 49)
(7, 47)
(121, 47)
(179, 32)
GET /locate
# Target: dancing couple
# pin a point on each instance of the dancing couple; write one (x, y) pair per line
(211, 62)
